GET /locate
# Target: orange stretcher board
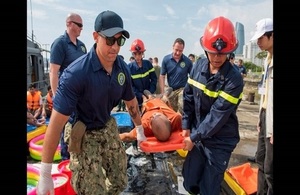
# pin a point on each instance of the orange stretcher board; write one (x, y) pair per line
(153, 145)
(245, 176)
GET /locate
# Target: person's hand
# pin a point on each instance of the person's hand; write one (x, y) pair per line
(188, 144)
(41, 120)
(38, 124)
(45, 184)
(185, 132)
(258, 126)
(140, 133)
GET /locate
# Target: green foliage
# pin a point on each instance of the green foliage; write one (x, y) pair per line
(261, 55)
(253, 67)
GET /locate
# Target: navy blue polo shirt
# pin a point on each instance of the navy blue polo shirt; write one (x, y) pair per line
(63, 51)
(177, 72)
(86, 87)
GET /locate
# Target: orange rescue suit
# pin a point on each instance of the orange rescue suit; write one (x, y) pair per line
(157, 105)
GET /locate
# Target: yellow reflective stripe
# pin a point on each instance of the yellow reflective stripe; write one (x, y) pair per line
(214, 94)
(137, 76)
(230, 98)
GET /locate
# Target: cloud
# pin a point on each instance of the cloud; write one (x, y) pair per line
(169, 10)
(152, 17)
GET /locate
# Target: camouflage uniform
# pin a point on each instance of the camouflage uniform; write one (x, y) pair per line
(176, 100)
(101, 167)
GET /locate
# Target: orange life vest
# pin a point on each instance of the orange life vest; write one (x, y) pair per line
(49, 102)
(33, 102)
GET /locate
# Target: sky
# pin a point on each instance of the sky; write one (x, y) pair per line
(156, 22)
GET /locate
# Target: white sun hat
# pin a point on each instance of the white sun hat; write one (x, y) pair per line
(262, 26)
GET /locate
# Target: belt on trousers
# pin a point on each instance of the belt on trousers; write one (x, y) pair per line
(101, 127)
(95, 128)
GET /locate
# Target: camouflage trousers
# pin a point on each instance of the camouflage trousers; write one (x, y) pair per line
(176, 100)
(101, 167)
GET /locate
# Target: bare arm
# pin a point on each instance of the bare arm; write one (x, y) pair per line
(53, 74)
(52, 135)
(162, 83)
(44, 108)
(30, 119)
(128, 136)
(133, 110)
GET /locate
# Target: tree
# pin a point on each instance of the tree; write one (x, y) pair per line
(253, 67)
(261, 55)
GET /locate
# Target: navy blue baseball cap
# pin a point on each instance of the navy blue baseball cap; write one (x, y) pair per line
(109, 23)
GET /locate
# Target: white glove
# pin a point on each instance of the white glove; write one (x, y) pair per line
(140, 133)
(45, 184)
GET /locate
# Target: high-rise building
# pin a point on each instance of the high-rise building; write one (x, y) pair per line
(240, 33)
(250, 51)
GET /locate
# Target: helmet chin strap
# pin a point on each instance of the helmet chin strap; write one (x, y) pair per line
(206, 56)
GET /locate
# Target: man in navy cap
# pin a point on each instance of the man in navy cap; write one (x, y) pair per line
(92, 86)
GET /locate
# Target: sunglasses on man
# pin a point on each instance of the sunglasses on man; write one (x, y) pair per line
(111, 40)
(78, 24)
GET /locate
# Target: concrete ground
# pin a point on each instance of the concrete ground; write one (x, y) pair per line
(248, 117)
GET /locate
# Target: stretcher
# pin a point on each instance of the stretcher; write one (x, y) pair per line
(242, 179)
(152, 145)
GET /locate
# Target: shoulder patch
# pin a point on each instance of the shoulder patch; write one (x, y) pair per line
(182, 64)
(83, 49)
(121, 78)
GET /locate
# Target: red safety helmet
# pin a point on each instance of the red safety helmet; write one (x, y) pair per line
(137, 46)
(219, 36)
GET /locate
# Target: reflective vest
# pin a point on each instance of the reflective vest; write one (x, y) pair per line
(33, 101)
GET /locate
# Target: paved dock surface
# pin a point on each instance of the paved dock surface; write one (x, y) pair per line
(159, 174)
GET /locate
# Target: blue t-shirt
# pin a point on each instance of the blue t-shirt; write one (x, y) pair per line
(177, 72)
(86, 87)
(242, 69)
